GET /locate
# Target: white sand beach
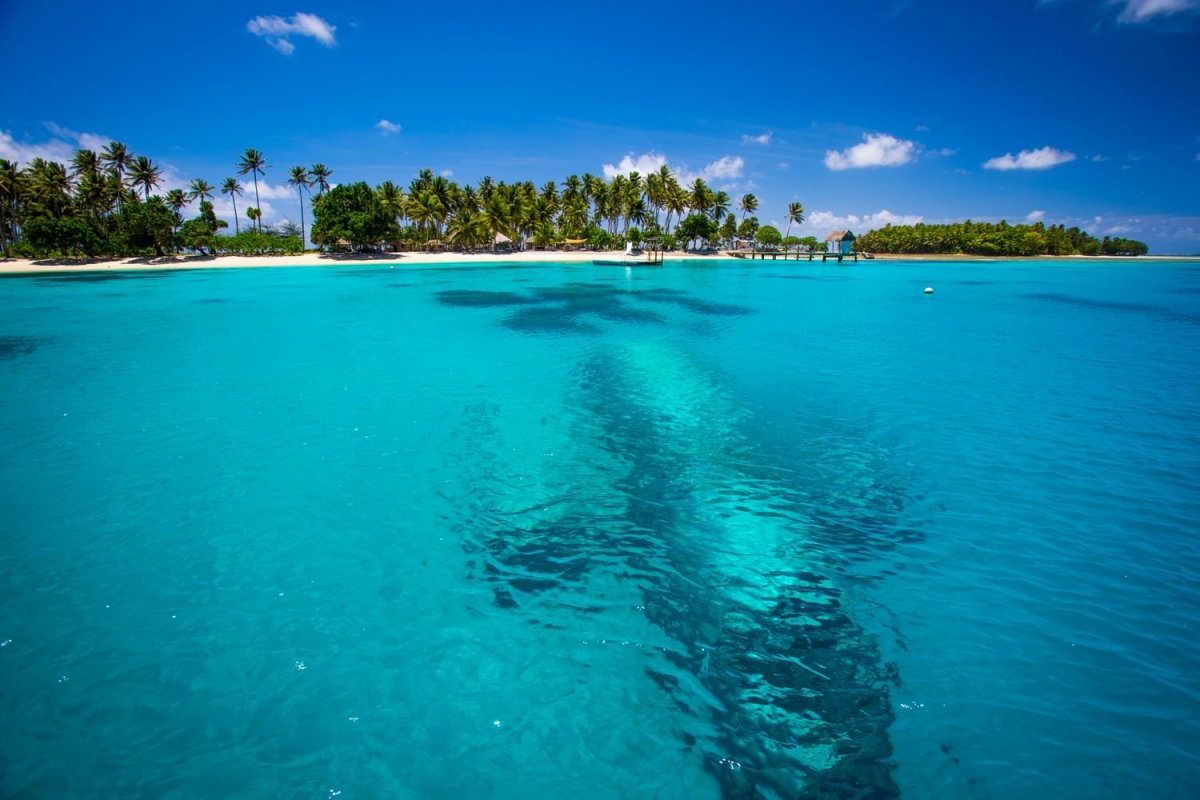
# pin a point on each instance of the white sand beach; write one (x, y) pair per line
(406, 260)
(314, 259)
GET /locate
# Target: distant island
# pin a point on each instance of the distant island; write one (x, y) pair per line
(995, 239)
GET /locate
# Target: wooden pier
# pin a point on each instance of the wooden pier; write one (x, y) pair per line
(775, 255)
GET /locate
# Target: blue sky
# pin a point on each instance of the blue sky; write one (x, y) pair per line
(1078, 111)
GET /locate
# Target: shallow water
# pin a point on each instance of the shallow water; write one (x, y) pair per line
(701, 531)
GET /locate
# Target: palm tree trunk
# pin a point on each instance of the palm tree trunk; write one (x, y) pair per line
(237, 229)
(257, 202)
(303, 238)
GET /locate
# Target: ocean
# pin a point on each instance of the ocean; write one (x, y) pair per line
(717, 529)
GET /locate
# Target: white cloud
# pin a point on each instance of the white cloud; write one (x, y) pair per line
(60, 147)
(784, 165)
(875, 150)
(1144, 10)
(726, 168)
(277, 30)
(1042, 158)
(762, 138)
(1035, 216)
(1100, 159)
(21, 153)
(820, 223)
(447, 173)
(386, 127)
(1198, 156)
(643, 165)
(944, 152)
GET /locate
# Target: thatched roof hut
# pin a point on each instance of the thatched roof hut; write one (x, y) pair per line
(839, 242)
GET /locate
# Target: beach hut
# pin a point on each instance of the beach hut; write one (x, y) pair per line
(434, 246)
(574, 244)
(840, 242)
(501, 243)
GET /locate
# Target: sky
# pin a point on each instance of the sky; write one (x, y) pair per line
(1083, 112)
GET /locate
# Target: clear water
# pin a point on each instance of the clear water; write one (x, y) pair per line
(548, 531)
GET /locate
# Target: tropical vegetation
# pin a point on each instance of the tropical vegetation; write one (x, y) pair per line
(995, 239)
(103, 205)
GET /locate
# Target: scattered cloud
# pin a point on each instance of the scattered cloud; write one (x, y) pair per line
(21, 153)
(1042, 158)
(87, 141)
(60, 147)
(446, 173)
(1099, 159)
(643, 165)
(278, 31)
(783, 165)
(943, 152)
(762, 138)
(821, 222)
(726, 168)
(1145, 10)
(923, 129)
(875, 150)
(1035, 216)
(387, 127)
(1198, 156)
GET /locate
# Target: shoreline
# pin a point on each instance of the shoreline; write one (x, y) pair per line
(315, 259)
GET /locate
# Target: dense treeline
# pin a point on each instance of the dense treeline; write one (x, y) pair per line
(101, 205)
(995, 239)
(92, 208)
(587, 209)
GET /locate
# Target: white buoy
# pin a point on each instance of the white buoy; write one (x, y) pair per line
(928, 290)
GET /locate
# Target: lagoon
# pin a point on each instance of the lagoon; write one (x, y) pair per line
(714, 529)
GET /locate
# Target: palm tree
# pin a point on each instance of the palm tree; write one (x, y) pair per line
(234, 189)
(299, 178)
(720, 206)
(49, 187)
(320, 178)
(176, 199)
(117, 158)
(143, 173)
(200, 189)
(83, 163)
(253, 161)
(10, 191)
(795, 213)
(700, 198)
(748, 204)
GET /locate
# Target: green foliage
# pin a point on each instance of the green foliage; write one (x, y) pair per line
(352, 212)
(146, 226)
(68, 236)
(1117, 246)
(768, 236)
(993, 239)
(253, 243)
(597, 237)
(748, 228)
(199, 234)
(697, 227)
(729, 229)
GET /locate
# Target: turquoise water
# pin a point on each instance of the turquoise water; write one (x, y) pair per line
(717, 530)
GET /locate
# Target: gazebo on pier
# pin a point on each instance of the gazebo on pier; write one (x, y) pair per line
(839, 245)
